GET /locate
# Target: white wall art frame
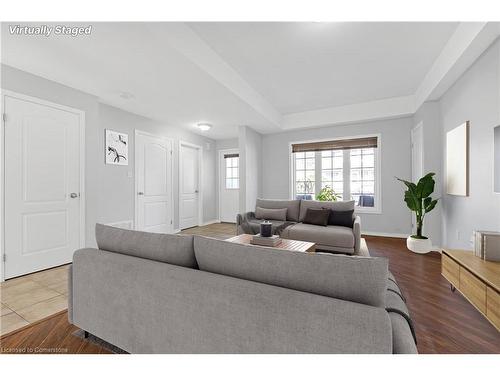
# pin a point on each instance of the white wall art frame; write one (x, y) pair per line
(457, 160)
(116, 147)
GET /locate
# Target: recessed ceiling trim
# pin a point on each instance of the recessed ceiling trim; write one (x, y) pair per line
(377, 109)
(187, 42)
(467, 43)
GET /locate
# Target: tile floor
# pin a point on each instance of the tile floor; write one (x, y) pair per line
(29, 298)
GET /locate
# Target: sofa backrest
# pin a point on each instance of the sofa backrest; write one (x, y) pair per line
(293, 206)
(168, 248)
(351, 278)
(334, 206)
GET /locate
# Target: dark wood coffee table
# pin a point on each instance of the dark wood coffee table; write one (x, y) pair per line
(293, 245)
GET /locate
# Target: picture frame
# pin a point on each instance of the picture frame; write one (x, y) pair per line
(457, 160)
(116, 147)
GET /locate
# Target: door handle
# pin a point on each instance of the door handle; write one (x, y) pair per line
(196, 191)
(140, 193)
(73, 195)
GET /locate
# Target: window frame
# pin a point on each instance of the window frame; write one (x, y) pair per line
(377, 208)
(237, 178)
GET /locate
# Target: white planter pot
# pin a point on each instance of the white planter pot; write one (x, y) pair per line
(418, 245)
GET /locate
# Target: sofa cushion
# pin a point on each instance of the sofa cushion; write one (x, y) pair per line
(293, 206)
(317, 216)
(330, 235)
(168, 248)
(356, 279)
(271, 213)
(341, 218)
(335, 206)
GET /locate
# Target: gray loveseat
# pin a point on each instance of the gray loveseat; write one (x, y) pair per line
(332, 238)
(157, 293)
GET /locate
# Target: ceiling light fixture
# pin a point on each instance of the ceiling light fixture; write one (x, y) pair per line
(203, 126)
(126, 95)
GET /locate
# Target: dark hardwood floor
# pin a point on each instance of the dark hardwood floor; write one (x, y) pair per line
(52, 335)
(444, 321)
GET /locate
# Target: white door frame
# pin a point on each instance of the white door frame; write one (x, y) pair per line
(171, 182)
(419, 127)
(219, 171)
(200, 180)
(81, 116)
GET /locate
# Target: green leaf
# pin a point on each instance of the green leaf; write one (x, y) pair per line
(410, 200)
(431, 206)
(425, 186)
(410, 185)
(427, 201)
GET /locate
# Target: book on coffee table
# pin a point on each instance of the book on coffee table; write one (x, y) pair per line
(265, 241)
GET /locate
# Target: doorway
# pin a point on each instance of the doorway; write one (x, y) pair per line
(229, 185)
(44, 200)
(153, 183)
(190, 162)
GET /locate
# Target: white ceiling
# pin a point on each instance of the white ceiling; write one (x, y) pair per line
(302, 66)
(269, 76)
(135, 58)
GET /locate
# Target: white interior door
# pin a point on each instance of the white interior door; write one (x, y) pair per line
(154, 203)
(229, 185)
(189, 186)
(42, 186)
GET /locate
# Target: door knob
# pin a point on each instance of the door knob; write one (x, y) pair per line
(73, 195)
(140, 193)
(196, 191)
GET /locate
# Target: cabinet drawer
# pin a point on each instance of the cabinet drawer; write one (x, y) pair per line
(493, 306)
(473, 288)
(450, 269)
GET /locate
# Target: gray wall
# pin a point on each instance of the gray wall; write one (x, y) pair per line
(250, 146)
(474, 97)
(117, 190)
(429, 115)
(395, 161)
(109, 192)
(224, 144)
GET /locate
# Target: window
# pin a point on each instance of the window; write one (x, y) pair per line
(363, 176)
(305, 175)
(332, 171)
(232, 171)
(348, 166)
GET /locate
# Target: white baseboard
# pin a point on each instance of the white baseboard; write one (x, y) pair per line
(215, 221)
(383, 234)
(126, 224)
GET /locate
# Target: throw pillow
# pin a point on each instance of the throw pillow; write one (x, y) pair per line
(271, 213)
(317, 216)
(341, 218)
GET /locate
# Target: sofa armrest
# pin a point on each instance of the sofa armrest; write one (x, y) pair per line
(242, 225)
(356, 229)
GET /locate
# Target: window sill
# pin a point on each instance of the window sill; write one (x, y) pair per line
(374, 211)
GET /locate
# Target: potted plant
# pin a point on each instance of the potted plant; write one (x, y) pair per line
(327, 195)
(418, 199)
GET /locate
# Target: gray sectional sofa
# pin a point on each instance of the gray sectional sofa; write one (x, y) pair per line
(331, 238)
(158, 293)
